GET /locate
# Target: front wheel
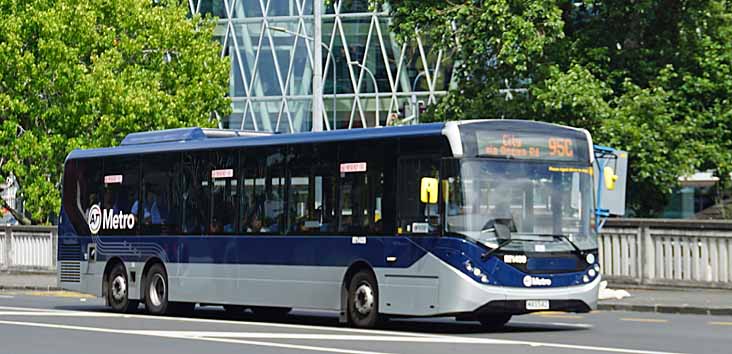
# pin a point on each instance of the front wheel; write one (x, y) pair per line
(363, 301)
(156, 290)
(495, 321)
(117, 291)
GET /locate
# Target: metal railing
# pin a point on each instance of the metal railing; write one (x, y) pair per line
(28, 248)
(685, 253)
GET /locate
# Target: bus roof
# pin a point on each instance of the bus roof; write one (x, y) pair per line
(199, 139)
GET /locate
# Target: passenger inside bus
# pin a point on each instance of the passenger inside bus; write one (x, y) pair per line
(151, 212)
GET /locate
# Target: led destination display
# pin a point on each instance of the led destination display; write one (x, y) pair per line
(530, 146)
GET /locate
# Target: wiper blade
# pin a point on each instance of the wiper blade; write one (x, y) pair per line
(574, 245)
(485, 256)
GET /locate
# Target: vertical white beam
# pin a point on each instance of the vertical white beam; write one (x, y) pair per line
(317, 65)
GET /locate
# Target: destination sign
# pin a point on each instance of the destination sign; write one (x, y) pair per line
(530, 146)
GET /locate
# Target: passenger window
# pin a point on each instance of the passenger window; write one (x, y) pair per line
(195, 198)
(414, 216)
(263, 191)
(120, 195)
(312, 188)
(223, 192)
(361, 180)
(82, 187)
(161, 205)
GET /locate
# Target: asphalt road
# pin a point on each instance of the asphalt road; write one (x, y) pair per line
(66, 323)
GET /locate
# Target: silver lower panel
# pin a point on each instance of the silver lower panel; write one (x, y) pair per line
(430, 287)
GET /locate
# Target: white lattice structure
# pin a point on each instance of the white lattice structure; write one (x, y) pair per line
(271, 49)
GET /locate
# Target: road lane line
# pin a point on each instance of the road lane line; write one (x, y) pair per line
(717, 323)
(6, 296)
(561, 324)
(195, 335)
(645, 320)
(573, 317)
(154, 334)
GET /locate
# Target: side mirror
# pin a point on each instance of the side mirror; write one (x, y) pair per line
(610, 177)
(428, 190)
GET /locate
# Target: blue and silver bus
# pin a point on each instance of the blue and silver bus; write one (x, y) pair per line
(477, 220)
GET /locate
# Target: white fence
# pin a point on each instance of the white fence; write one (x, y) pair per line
(667, 252)
(28, 248)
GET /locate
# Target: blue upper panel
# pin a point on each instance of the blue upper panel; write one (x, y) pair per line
(191, 139)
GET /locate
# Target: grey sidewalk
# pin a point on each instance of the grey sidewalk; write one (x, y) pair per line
(696, 301)
(28, 281)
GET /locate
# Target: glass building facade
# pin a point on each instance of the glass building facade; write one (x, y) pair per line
(367, 75)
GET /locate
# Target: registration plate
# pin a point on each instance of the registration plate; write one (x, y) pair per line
(537, 304)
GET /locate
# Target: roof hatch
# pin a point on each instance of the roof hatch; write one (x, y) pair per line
(185, 134)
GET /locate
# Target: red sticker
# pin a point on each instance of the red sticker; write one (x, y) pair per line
(353, 167)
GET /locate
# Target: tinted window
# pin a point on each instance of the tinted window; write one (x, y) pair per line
(161, 205)
(121, 186)
(415, 216)
(224, 192)
(82, 187)
(361, 180)
(263, 191)
(195, 198)
(312, 188)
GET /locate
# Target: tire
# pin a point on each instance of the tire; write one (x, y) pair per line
(156, 291)
(267, 312)
(118, 291)
(494, 321)
(363, 301)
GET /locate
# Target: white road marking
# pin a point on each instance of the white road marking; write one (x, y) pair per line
(561, 324)
(6, 296)
(145, 333)
(368, 335)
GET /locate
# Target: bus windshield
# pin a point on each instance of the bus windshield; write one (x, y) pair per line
(544, 202)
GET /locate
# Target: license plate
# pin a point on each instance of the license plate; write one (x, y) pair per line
(537, 304)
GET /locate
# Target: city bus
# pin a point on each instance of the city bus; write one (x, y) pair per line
(477, 220)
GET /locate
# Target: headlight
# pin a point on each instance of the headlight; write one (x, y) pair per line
(597, 268)
(469, 266)
(476, 271)
(592, 273)
(585, 278)
(590, 258)
(484, 278)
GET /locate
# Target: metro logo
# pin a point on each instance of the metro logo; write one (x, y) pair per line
(530, 281)
(108, 220)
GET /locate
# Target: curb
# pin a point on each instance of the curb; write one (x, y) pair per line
(694, 310)
(30, 288)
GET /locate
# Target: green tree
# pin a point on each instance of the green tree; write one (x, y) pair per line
(84, 73)
(653, 77)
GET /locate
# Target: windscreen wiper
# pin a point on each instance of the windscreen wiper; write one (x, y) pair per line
(485, 256)
(574, 245)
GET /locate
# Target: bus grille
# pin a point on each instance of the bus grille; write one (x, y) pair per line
(70, 271)
(69, 251)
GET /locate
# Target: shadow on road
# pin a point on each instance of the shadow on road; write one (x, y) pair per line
(330, 319)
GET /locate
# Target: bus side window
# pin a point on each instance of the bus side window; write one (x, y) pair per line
(361, 183)
(160, 205)
(312, 182)
(415, 216)
(121, 190)
(262, 203)
(194, 196)
(82, 186)
(224, 189)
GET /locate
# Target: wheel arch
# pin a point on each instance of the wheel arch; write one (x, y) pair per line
(143, 276)
(355, 267)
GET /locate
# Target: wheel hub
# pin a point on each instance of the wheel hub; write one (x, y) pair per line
(156, 290)
(119, 288)
(364, 301)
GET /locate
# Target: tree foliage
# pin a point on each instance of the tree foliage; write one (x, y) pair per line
(84, 73)
(653, 77)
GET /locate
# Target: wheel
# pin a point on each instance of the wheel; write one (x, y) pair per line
(494, 321)
(117, 291)
(271, 312)
(363, 301)
(234, 309)
(156, 290)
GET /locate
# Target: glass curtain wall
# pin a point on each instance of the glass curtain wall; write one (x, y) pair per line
(270, 44)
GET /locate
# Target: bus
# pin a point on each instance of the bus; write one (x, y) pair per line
(477, 220)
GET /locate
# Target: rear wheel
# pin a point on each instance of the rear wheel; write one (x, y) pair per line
(495, 321)
(117, 290)
(156, 290)
(363, 300)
